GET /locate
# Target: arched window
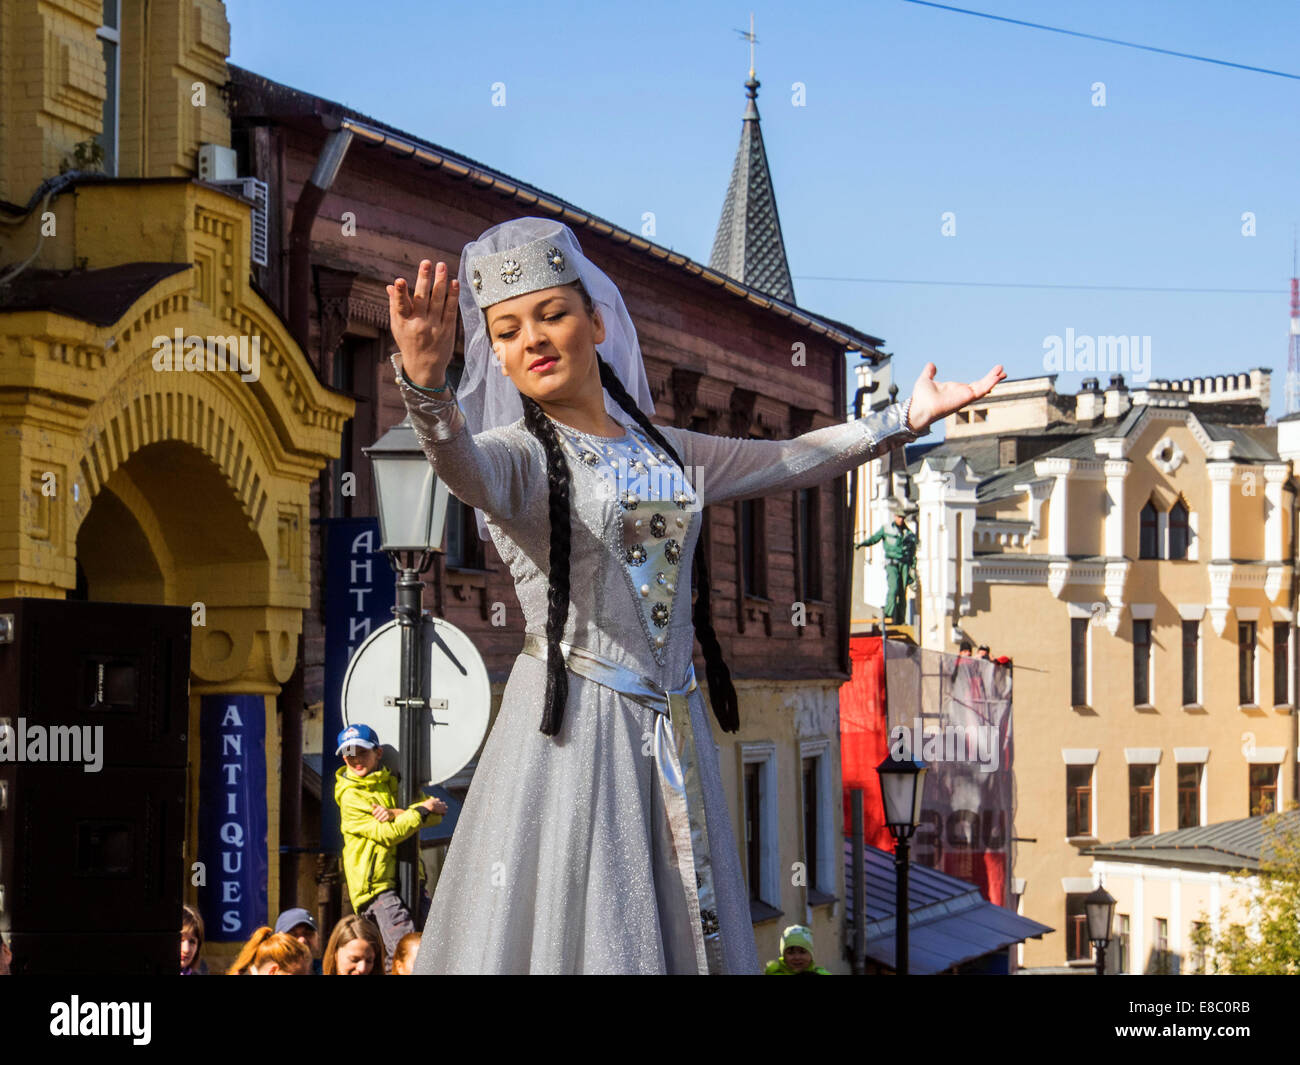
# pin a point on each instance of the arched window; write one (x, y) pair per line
(1179, 533)
(1148, 541)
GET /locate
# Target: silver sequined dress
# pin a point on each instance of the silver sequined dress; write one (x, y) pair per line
(561, 860)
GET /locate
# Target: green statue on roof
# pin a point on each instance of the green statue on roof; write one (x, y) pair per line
(900, 559)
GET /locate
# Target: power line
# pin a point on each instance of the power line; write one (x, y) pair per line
(1105, 40)
(1028, 284)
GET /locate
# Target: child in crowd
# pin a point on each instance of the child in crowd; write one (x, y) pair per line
(355, 949)
(192, 943)
(272, 953)
(404, 956)
(796, 955)
(373, 826)
(300, 924)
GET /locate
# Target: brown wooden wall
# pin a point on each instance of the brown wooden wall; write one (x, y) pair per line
(715, 363)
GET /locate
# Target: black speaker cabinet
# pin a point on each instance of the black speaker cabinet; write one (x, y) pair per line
(93, 712)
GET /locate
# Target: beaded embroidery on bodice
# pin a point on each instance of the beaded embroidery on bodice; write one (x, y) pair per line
(656, 504)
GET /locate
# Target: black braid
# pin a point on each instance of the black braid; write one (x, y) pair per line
(722, 693)
(557, 591)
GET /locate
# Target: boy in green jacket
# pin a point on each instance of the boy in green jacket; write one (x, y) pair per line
(373, 826)
(796, 955)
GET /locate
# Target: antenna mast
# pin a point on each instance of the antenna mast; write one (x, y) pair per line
(1293, 354)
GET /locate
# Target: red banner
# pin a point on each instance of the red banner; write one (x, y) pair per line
(953, 713)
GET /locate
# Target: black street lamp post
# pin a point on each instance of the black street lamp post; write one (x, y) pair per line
(902, 784)
(412, 505)
(1100, 908)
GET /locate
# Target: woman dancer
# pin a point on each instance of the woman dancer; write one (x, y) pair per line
(595, 836)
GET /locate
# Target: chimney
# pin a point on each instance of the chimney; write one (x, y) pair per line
(1087, 404)
(1117, 397)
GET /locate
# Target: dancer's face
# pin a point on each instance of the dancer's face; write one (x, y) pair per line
(546, 344)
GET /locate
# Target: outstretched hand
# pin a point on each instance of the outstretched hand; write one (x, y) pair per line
(423, 322)
(932, 400)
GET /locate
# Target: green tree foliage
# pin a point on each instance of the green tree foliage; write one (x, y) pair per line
(1276, 949)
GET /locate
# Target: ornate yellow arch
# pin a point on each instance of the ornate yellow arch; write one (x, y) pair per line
(84, 408)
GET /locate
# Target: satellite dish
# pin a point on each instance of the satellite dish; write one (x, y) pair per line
(454, 684)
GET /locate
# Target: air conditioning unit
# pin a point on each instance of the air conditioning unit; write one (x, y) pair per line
(255, 190)
(217, 163)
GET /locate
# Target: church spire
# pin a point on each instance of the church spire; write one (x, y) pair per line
(748, 244)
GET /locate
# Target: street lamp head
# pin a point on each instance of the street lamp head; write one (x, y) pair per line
(902, 784)
(1100, 908)
(411, 500)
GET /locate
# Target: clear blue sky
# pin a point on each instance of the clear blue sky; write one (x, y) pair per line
(910, 112)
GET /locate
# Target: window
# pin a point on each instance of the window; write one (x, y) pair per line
(1141, 799)
(1246, 663)
(753, 829)
(1191, 663)
(1078, 790)
(1200, 934)
(110, 38)
(808, 501)
(1161, 960)
(1281, 663)
(810, 826)
(354, 370)
(1122, 941)
(1148, 539)
(819, 797)
(760, 816)
(1189, 794)
(752, 547)
(1077, 945)
(1179, 530)
(1079, 661)
(1141, 661)
(464, 548)
(1263, 789)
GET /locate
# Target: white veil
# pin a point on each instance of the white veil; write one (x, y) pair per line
(487, 397)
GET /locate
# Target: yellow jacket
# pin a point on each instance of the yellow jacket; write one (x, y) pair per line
(370, 846)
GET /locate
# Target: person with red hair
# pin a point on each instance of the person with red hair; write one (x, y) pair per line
(272, 953)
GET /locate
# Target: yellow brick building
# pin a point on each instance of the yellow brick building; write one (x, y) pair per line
(121, 477)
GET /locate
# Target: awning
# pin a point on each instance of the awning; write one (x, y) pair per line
(951, 922)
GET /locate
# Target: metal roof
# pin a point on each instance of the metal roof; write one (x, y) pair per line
(950, 921)
(1251, 443)
(1225, 844)
(257, 97)
(99, 297)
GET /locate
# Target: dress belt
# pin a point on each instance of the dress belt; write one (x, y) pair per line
(677, 764)
(611, 674)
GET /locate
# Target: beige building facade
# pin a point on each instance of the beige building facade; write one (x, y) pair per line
(1132, 551)
(1169, 886)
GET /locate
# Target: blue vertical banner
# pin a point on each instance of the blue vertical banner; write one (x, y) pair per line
(232, 814)
(360, 590)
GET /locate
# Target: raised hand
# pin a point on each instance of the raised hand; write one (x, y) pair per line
(932, 400)
(424, 323)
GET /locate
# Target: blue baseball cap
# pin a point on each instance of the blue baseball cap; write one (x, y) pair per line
(291, 919)
(357, 736)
